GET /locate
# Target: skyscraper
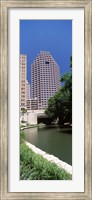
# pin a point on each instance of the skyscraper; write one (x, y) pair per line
(23, 75)
(28, 95)
(45, 78)
(27, 90)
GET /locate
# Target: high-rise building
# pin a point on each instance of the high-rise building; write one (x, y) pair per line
(23, 75)
(27, 90)
(34, 104)
(28, 105)
(45, 78)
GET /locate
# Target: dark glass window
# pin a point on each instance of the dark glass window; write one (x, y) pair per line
(46, 62)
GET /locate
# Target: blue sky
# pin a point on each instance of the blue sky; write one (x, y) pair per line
(54, 36)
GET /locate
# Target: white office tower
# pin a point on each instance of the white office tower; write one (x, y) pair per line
(45, 78)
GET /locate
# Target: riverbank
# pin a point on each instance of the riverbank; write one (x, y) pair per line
(41, 125)
(51, 158)
(35, 167)
(26, 126)
(53, 140)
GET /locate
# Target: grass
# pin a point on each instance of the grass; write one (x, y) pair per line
(35, 167)
(22, 137)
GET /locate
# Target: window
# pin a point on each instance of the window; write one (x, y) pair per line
(46, 62)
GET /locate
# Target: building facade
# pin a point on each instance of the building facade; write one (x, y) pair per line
(34, 104)
(45, 78)
(27, 90)
(28, 101)
(23, 75)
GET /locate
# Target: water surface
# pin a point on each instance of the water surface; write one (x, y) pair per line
(55, 141)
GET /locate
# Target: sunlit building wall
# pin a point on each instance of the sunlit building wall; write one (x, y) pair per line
(45, 78)
(27, 90)
(23, 75)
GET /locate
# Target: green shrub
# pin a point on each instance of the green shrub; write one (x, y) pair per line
(22, 136)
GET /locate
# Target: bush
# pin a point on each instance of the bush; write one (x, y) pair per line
(22, 136)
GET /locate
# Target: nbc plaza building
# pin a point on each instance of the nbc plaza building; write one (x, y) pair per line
(23, 75)
(25, 100)
(45, 78)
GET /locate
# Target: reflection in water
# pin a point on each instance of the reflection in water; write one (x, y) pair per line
(55, 141)
(34, 134)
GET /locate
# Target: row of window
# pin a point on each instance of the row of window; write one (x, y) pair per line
(23, 100)
(23, 88)
(22, 92)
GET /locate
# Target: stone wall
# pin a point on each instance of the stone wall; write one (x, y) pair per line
(31, 116)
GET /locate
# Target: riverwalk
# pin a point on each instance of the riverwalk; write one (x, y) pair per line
(51, 158)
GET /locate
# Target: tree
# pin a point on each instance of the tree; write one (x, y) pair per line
(60, 105)
(24, 110)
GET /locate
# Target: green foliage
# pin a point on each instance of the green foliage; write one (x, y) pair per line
(60, 105)
(24, 110)
(35, 167)
(22, 136)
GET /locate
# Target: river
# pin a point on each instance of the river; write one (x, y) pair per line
(55, 141)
